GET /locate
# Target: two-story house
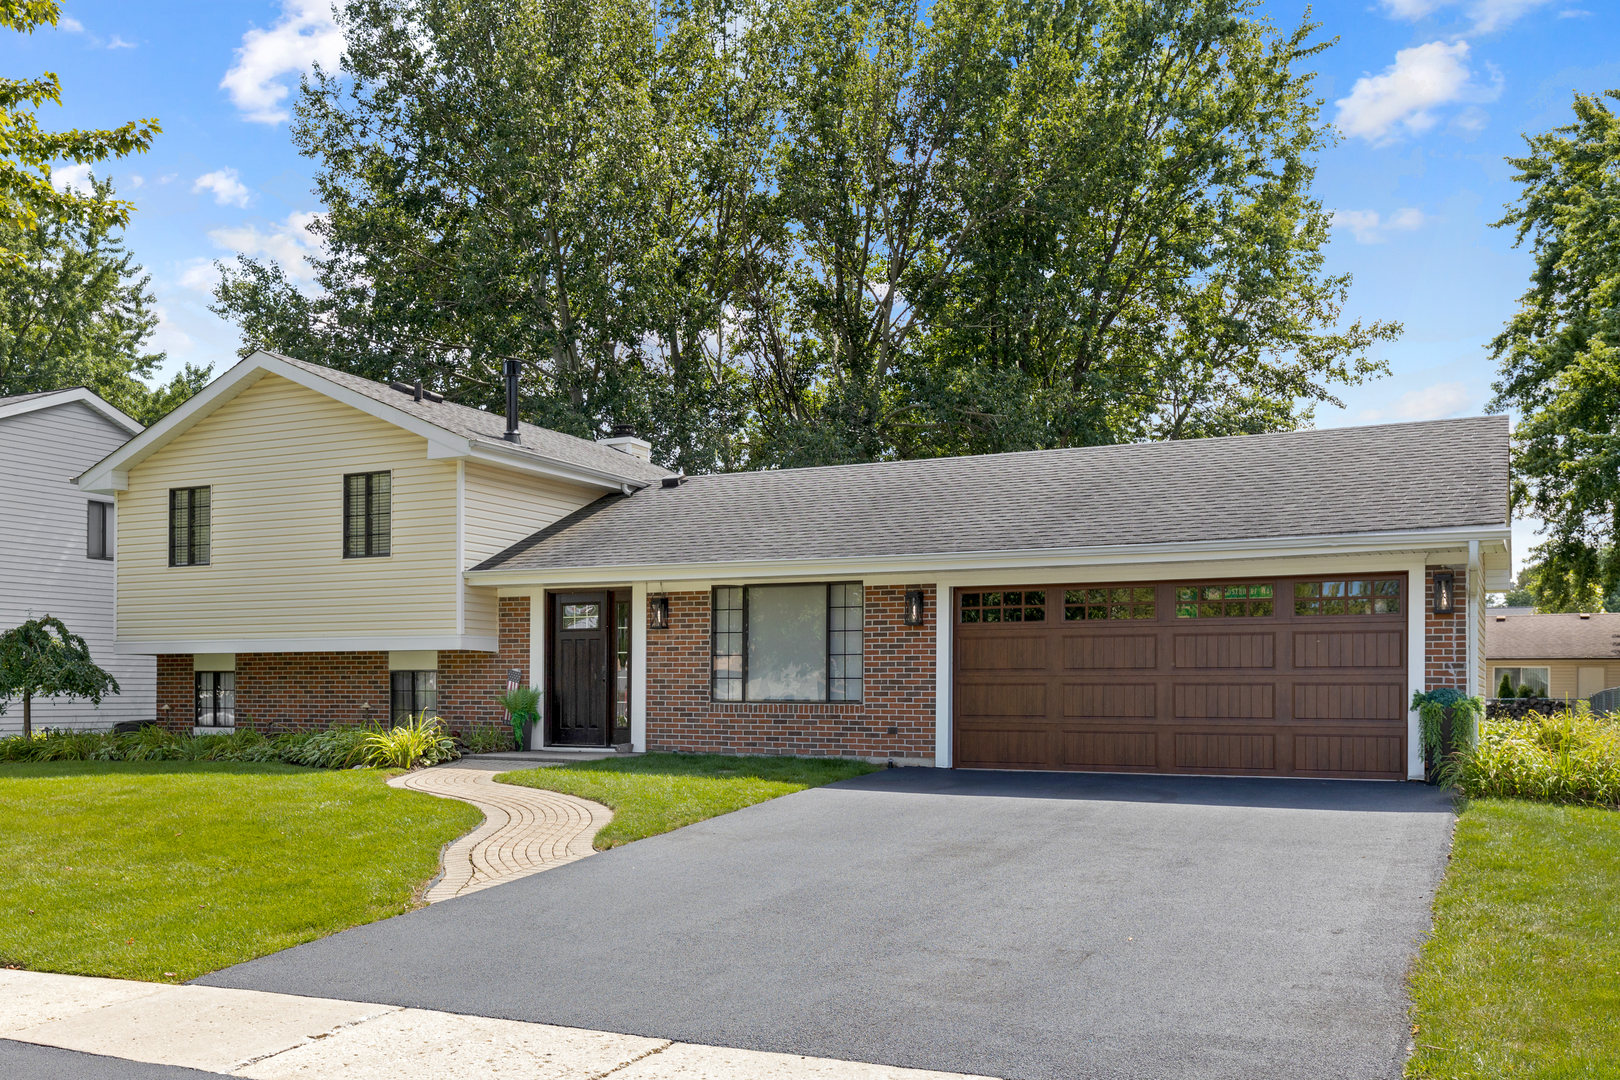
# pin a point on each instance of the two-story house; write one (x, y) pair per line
(300, 546)
(57, 545)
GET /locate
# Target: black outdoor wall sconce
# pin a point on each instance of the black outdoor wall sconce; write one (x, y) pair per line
(658, 609)
(914, 607)
(1445, 593)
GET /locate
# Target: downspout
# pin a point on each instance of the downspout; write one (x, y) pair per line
(1474, 609)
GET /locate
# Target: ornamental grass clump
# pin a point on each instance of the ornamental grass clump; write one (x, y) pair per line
(420, 740)
(1568, 757)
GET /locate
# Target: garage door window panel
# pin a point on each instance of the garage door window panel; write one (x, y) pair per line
(1016, 605)
(1365, 596)
(1240, 601)
(1113, 602)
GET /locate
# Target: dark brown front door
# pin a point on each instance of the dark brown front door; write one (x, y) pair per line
(1260, 676)
(579, 715)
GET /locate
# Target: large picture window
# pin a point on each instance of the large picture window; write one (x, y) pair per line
(367, 515)
(788, 642)
(190, 525)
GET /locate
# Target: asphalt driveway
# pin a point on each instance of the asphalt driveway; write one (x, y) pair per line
(1010, 924)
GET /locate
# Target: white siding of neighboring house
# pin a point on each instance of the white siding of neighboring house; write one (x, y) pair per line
(500, 508)
(43, 567)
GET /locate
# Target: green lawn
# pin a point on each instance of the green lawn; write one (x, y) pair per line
(1521, 977)
(655, 793)
(167, 870)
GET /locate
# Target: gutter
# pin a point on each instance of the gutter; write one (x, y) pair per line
(1478, 538)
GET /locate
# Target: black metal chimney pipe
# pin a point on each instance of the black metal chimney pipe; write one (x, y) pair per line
(511, 368)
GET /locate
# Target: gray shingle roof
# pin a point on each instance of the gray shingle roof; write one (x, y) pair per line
(36, 394)
(1433, 474)
(1552, 637)
(490, 427)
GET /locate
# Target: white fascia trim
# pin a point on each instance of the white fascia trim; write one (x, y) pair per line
(494, 454)
(441, 443)
(1488, 536)
(400, 643)
(66, 397)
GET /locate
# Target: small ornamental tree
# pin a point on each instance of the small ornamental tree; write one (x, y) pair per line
(41, 658)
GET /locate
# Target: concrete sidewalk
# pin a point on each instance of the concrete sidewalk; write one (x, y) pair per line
(249, 1033)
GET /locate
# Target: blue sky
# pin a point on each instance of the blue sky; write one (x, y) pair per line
(1430, 96)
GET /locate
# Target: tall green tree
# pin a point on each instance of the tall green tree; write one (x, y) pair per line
(76, 310)
(1560, 353)
(42, 658)
(776, 232)
(26, 151)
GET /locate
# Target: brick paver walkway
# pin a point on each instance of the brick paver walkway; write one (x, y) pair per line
(525, 830)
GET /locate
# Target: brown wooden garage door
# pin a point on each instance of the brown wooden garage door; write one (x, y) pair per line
(1268, 676)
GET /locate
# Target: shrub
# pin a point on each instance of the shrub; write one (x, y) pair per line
(488, 740)
(1567, 757)
(334, 748)
(419, 740)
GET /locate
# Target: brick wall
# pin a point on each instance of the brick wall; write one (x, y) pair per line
(309, 691)
(1445, 647)
(896, 719)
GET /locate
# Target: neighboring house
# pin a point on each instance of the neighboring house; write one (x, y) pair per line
(1558, 656)
(302, 547)
(56, 546)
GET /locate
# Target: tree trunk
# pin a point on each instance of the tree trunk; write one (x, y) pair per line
(28, 715)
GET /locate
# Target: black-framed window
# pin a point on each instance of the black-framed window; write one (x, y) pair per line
(788, 642)
(216, 698)
(367, 515)
(413, 693)
(98, 542)
(191, 525)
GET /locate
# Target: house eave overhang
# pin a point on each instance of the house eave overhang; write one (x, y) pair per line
(64, 397)
(1492, 539)
(111, 473)
(333, 643)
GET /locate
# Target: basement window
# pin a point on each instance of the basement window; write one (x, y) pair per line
(413, 693)
(788, 642)
(216, 698)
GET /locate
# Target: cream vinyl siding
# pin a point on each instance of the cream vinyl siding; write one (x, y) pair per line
(499, 509)
(275, 457)
(1561, 674)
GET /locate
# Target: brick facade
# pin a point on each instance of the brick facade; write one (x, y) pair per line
(278, 692)
(1445, 647)
(895, 719)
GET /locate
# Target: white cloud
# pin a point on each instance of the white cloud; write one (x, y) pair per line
(72, 178)
(166, 336)
(200, 275)
(1404, 97)
(304, 35)
(227, 189)
(1435, 402)
(1370, 227)
(119, 43)
(169, 179)
(1574, 13)
(288, 242)
(1488, 15)
(137, 180)
(70, 24)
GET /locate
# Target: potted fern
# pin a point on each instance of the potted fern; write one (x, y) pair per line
(1448, 722)
(522, 709)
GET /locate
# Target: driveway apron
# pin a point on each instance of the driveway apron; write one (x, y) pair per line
(1007, 924)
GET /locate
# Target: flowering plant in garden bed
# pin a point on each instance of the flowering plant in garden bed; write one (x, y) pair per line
(1567, 757)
